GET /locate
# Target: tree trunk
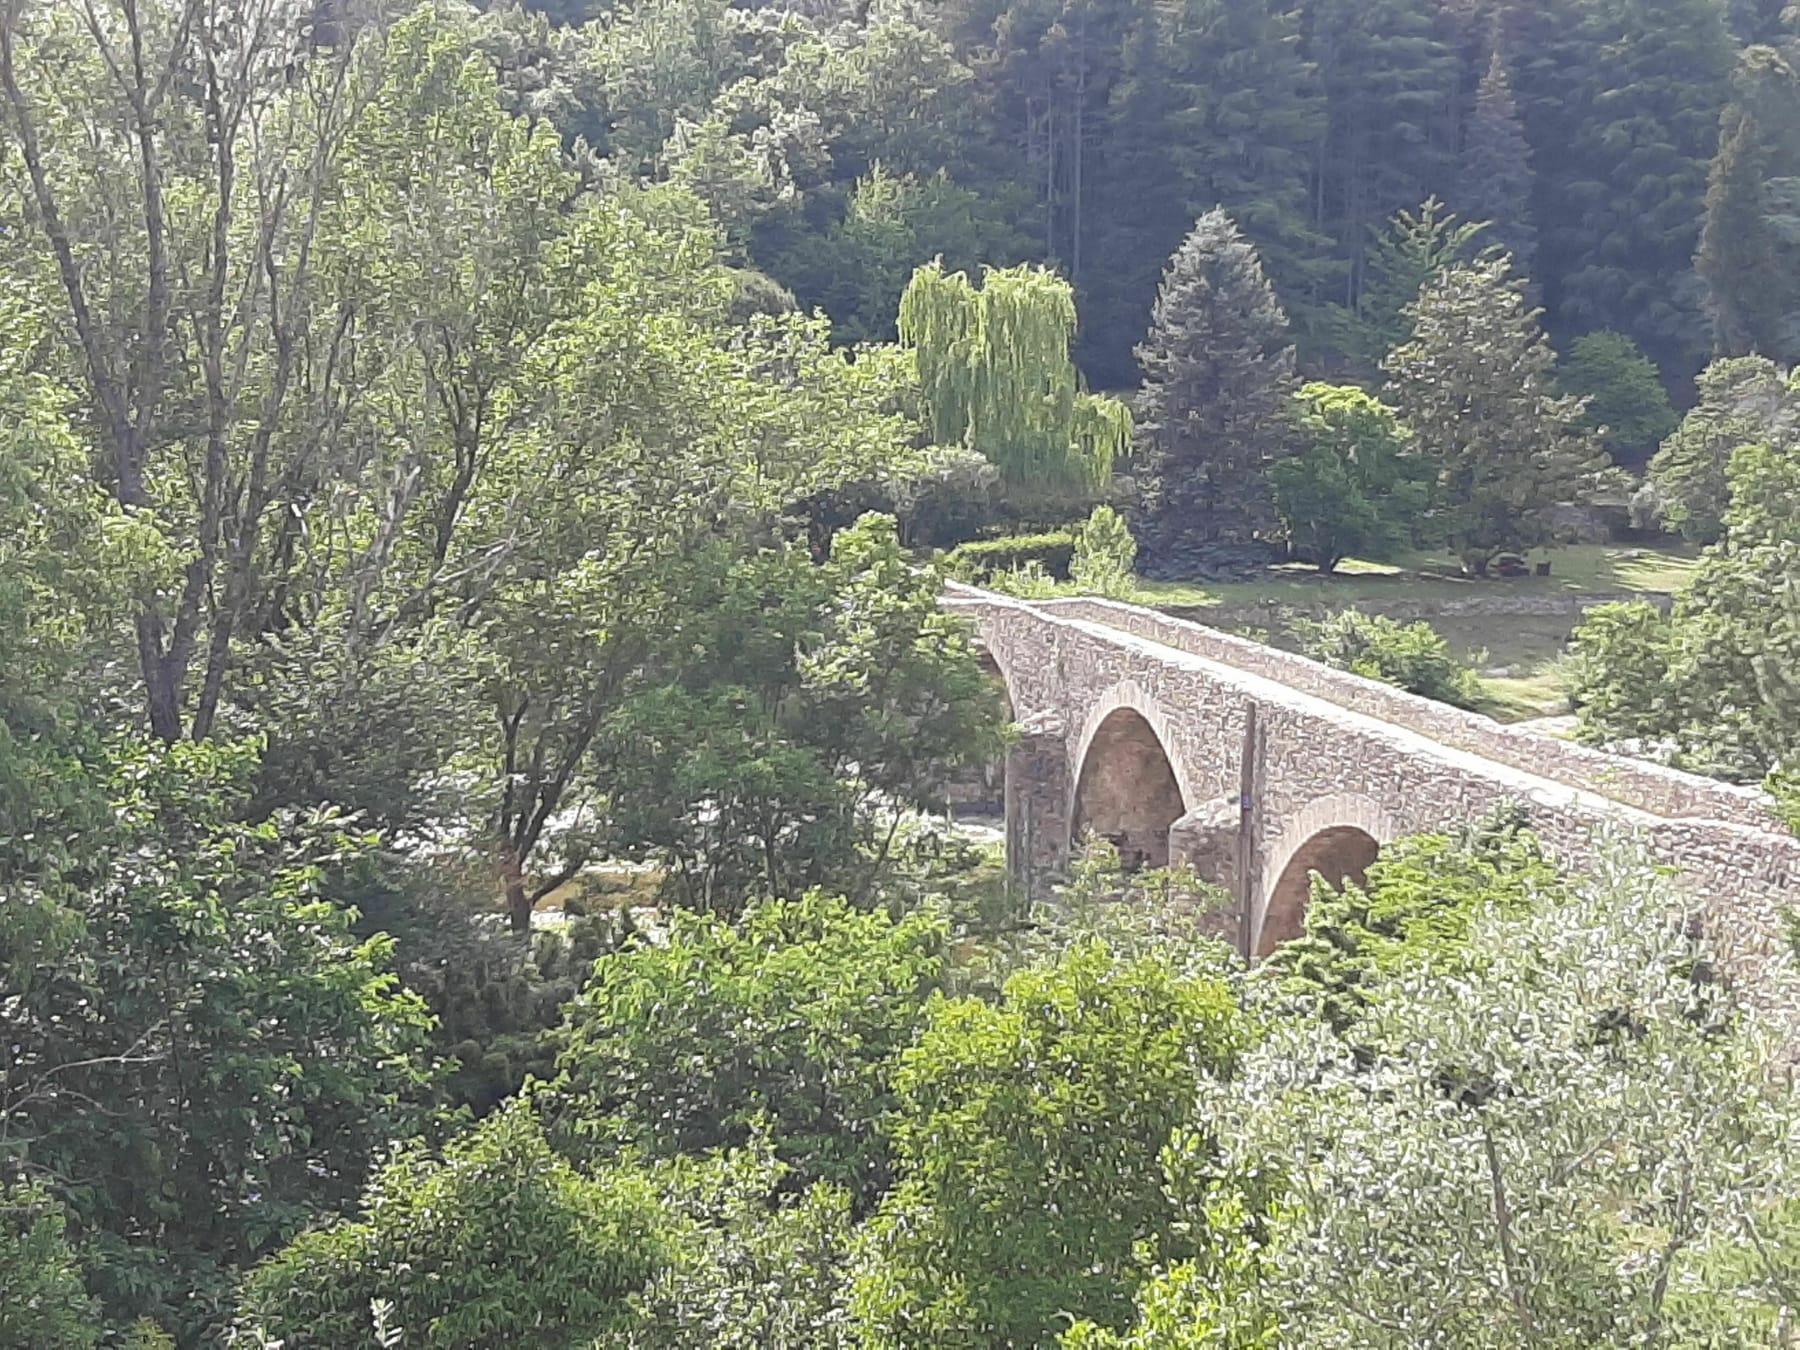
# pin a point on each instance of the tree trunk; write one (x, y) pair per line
(512, 878)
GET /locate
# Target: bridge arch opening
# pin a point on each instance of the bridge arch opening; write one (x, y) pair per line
(1127, 791)
(1339, 854)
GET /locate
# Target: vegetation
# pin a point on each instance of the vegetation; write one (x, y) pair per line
(477, 709)
(1411, 656)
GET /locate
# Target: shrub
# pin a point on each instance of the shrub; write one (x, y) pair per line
(1105, 554)
(1413, 656)
(978, 560)
(1618, 673)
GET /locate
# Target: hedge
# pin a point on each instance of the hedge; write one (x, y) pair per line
(979, 559)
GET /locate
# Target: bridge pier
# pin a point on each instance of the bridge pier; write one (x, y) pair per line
(1039, 788)
(1207, 839)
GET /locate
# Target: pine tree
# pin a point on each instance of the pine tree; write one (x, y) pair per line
(1218, 376)
(1476, 384)
(1749, 261)
(1389, 74)
(1632, 194)
(1494, 178)
(1415, 247)
(1214, 106)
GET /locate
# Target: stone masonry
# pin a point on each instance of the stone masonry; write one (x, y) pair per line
(1148, 729)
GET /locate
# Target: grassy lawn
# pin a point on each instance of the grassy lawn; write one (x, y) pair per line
(1427, 576)
(1516, 654)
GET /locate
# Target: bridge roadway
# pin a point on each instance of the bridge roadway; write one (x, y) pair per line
(1259, 767)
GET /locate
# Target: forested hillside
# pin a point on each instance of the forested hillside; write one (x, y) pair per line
(481, 743)
(841, 146)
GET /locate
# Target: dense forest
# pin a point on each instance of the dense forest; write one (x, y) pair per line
(478, 723)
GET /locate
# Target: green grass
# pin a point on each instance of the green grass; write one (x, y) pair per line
(1428, 576)
(1515, 654)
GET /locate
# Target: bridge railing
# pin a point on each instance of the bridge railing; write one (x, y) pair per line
(1648, 787)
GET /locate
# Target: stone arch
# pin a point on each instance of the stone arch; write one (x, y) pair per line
(1337, 838)
(1129, 787)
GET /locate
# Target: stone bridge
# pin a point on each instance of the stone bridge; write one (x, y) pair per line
(1260, 768)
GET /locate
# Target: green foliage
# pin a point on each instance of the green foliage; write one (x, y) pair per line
(1352, 487)
(792, 1017)
(1618, 674)
(1494, 178)
(1742, 400)
(42, 1302)
(1417, 904)
(1748, 246)
(995, 371)
(192, 972)
(499, 1240)
(1218, 374)
(747, 1267)
(979, 559)
(1028, 1135)
(766, 760)
(1711, 688)
(1105, 554)
(1413, 656)
(1539, 1135)
(1644, 83)
(1627, 406)
(1412, 250)
(1475, 383)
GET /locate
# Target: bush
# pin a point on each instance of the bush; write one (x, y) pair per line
(1105, 554)
(1413, 656)
(980, 559)
(1618, 673)
(42, 1301)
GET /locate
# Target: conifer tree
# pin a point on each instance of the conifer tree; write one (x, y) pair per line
(1494, 177)
(1476, 383)
(1218, 376)
(1214, 106)
(1630, 204)
(1415, 247)
(1389, 76)
(1749, 255)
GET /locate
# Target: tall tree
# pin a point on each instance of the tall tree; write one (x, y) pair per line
(1216, 106)
(1750, 247)
(1389, 75)
(1476, 384)
(1414, 248)
(1631, 193)
(996, 375)
(1494, 180)
(1218, 374)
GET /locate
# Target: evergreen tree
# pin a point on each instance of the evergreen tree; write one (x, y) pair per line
(1414, 248)
(1749, 261)
(1389, 75)
(1494, 178)
(1218, 376)
(1627, 213)
(1476, 385)
(1215, 106)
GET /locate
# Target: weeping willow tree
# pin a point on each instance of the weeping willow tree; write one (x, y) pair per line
(995, 370)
